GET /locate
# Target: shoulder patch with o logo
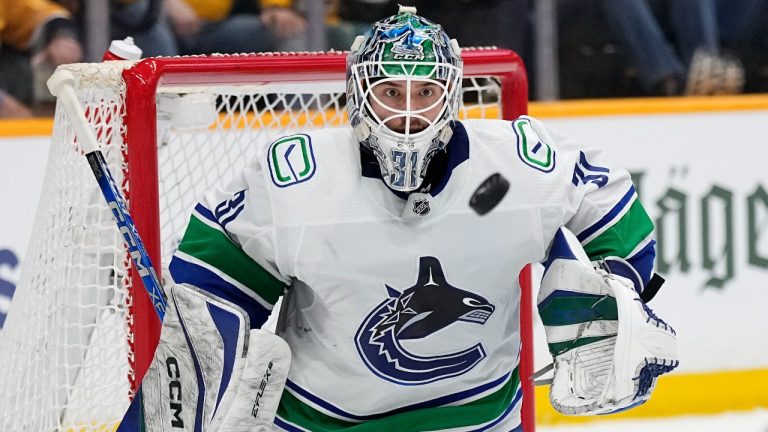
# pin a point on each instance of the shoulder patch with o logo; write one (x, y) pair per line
(291, 160)
(531, 149)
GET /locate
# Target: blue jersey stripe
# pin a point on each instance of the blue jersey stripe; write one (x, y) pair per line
(286, 426)
(504, 415)
(444, 400)
(204, 212)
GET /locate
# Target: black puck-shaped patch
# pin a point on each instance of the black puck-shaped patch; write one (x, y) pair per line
(421, 207)
(489, 194)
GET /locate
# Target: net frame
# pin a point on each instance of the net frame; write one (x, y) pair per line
(139, 85)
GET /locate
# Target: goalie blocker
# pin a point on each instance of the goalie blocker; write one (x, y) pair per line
(210, 372)
(608, 346)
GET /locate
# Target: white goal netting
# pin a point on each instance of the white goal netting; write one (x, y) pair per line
(67, 353)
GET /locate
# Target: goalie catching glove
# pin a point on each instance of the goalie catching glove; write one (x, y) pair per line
(608, 346)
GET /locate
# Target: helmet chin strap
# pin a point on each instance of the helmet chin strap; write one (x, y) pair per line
(362, 131)
(445, 133)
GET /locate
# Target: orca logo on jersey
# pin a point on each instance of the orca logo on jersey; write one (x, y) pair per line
(430, 305)
(291, 160)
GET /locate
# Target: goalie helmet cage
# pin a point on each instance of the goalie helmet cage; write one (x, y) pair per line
(82, 331)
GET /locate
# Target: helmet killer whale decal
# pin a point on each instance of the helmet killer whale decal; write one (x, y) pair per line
(430, 305)
(408, 38)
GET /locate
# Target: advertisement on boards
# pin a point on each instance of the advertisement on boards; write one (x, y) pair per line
(702, 179)
(22, 168)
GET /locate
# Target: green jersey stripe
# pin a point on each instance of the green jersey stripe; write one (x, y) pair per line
(621, 238)
(477, 412)
(214, 248)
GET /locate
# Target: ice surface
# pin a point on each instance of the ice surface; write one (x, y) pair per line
(747, 421)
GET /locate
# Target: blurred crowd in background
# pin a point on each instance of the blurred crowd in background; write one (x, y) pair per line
(603, 48)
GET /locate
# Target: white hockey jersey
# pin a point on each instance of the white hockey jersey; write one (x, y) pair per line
(403, 314)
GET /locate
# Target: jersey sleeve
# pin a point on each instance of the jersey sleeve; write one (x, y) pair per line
(228, 248)
(608, 218)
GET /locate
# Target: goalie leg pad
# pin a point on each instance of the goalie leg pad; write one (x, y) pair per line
(200, 355)
(210, 373)
(261, 386)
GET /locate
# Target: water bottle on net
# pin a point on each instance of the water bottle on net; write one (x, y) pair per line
(122, 49)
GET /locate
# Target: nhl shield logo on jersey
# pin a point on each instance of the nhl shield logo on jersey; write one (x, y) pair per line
(421, 207)
(291, 160)
(430, 305)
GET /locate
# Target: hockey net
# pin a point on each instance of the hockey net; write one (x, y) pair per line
(81, 330)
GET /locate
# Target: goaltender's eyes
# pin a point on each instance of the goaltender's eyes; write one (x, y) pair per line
(391, 92)
(426, 92)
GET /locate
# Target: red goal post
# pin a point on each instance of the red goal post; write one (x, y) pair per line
(160, 121)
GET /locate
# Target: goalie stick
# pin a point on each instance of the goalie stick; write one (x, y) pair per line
(61, 85)
(250, 413)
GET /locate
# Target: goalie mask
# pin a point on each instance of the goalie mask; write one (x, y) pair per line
(403, 86)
